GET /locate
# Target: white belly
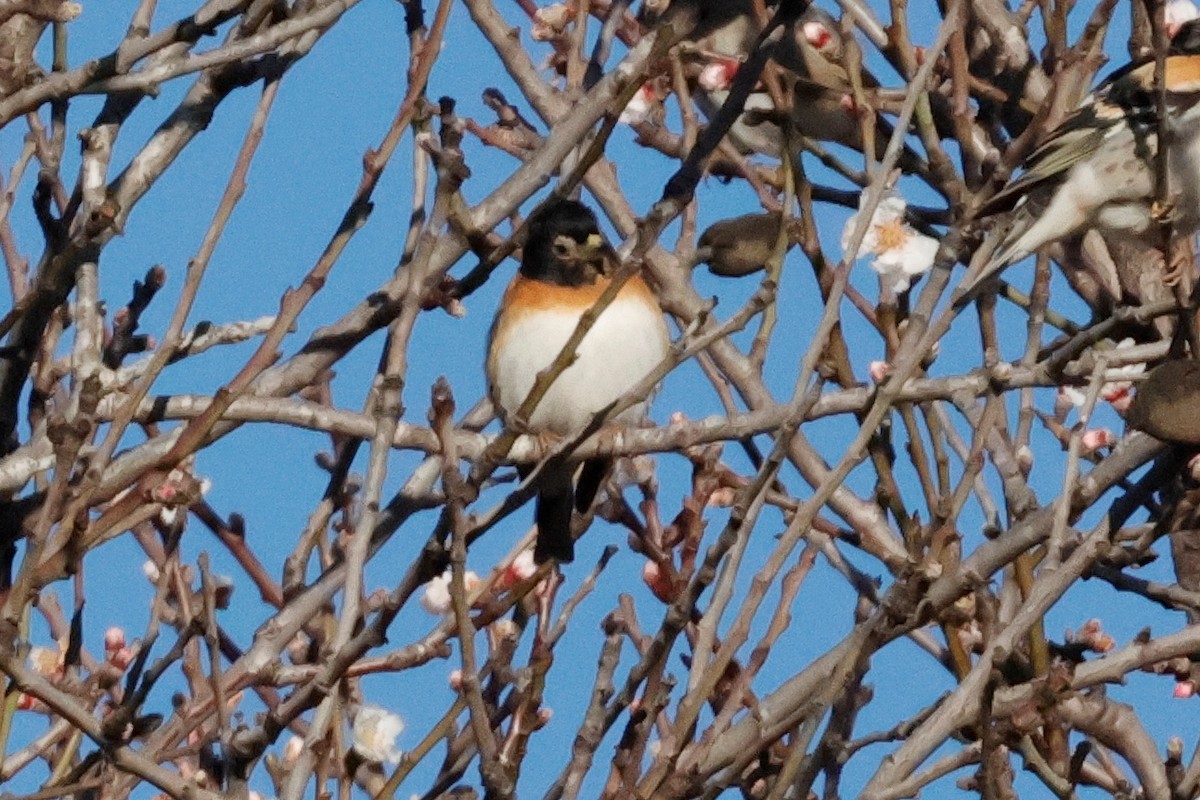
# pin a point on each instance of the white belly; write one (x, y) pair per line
(627, 341)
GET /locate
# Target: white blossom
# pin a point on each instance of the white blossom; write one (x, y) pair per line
(436, 597)
(375, 732)
(898, 252)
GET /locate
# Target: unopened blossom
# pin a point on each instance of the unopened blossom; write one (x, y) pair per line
(898, 253)
(879, 370)
(1185, 690)
(724, 497)
(718, 75)
(658, 581)
(1177, 13)
(640, 106)
(114, 639)
(436, 597)
(1024, 456)
(375, 732)
(550, 21)
(1096, 438)
(292, 751)
(522, 568)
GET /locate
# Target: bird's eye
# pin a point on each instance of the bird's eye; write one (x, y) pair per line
(562, 247)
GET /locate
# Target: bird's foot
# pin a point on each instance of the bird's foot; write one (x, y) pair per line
(546, 442)
(1162, 212)
(1180, 259)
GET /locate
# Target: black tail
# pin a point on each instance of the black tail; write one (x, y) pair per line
(552, 512)
(592, 474)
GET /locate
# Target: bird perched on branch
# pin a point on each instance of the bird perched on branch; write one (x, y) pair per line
(741, 245)
(1167, 403)
(811, 51)
(565, 267)
(1097, 169)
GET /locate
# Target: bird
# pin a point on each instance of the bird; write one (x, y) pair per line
(1096, 169)
(1167, 403)
(565, 266)
(810, 51)
(741, 245)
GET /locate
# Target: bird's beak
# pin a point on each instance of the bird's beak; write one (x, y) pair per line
(598, 252)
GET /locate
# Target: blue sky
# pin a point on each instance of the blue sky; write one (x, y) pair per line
(333, 107)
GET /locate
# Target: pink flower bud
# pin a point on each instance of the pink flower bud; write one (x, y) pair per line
(718, 75)
(521, 569)
(292, 750)
(121, 657)
(817, 34)
(1096, 438)
(659, 582)
(723, 497)
(114, 639)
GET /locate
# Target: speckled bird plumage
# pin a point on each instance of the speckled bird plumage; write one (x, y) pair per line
(1096, 170)
(565, 267)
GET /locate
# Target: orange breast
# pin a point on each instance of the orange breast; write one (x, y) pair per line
(525, 296)
(1182, 73)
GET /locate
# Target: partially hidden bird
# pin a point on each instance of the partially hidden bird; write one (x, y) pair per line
(1167, 403)
(741, 245)
(1097, 169)
(811, 51)
(565, 266)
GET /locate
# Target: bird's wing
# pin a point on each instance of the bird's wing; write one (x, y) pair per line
(1125, 100)
(1078, 138)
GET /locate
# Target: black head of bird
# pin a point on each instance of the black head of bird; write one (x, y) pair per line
(564, 245)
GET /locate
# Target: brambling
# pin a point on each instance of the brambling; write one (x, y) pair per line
(741, 245)
(565, 266)
(1167, 403)
(1096, 169)
(810, 52)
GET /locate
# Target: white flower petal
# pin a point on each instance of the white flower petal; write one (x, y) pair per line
(717, 75)
(1076, 396)
(375, 732)
(436, 597)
